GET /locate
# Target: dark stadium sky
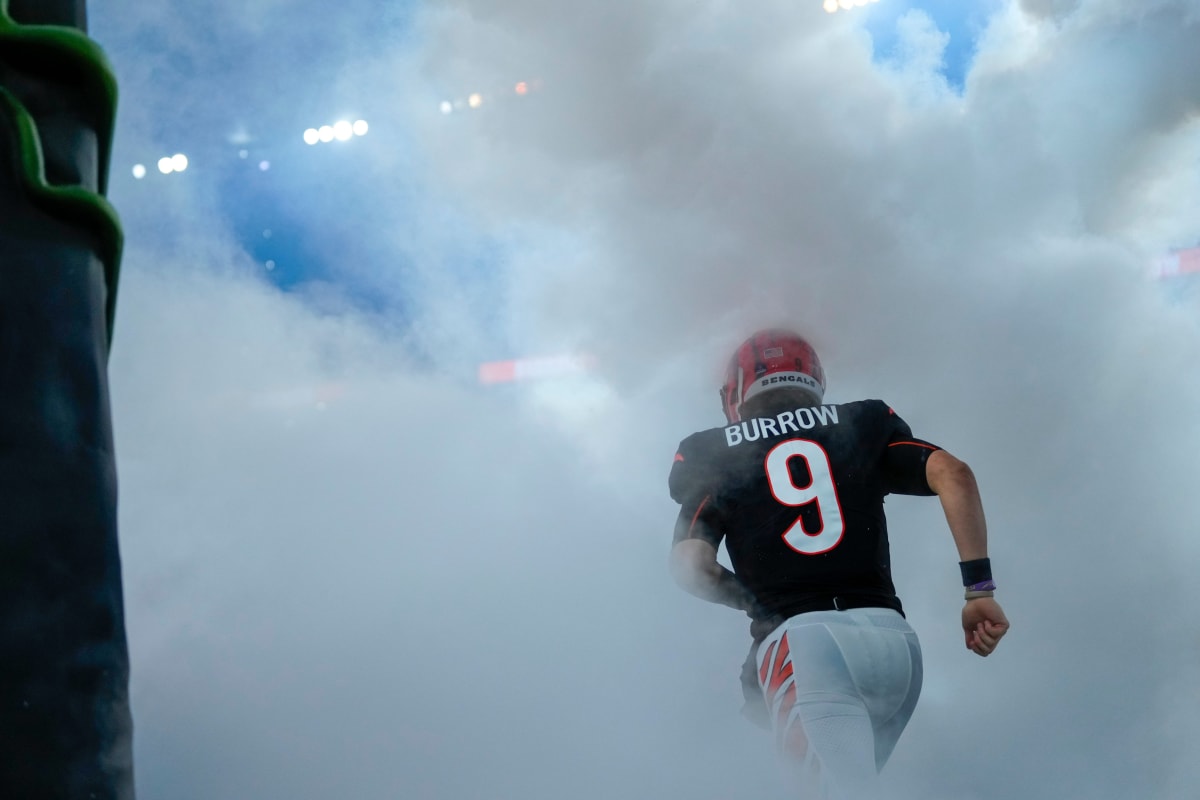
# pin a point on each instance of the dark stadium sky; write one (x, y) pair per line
(352, 572)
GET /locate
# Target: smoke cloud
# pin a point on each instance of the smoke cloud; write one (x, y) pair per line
(352, 571)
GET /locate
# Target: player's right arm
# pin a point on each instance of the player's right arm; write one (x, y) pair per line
(698, 533)
(983, 620)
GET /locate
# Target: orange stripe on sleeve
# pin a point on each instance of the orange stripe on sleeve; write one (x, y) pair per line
(915, 444)
(696, 516)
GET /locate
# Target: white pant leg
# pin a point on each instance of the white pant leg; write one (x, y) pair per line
(840, 687)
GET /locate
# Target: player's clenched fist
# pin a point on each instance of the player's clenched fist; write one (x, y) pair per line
(984, 625)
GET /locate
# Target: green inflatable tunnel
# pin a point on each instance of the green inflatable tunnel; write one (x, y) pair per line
(65, 729)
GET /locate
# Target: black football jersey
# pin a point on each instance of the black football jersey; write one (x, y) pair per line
(798, 499)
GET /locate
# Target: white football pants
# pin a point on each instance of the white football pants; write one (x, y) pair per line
(840, 686)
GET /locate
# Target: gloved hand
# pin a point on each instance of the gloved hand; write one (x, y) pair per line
(762, 622)
(761, 628)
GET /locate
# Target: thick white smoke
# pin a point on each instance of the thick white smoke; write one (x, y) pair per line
(353, 572)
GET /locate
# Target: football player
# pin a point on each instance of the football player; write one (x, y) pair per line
(795, 488)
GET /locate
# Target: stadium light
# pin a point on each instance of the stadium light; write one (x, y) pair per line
(165, 166)
(139, 171)
(478, 99)
(343, 130)
(180, 162)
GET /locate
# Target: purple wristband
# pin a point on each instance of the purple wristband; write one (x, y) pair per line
(983, 586)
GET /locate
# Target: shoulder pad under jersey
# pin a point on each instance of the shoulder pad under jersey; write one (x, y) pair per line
(691, 472)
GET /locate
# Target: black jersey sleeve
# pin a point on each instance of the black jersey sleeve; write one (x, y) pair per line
(692, 486)
(904, 458)
(690, 472)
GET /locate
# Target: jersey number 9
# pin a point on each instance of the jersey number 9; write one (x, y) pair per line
(820, 490)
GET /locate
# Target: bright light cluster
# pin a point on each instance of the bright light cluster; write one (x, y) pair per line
(834, 6)
(342, 131)
(166, 165)
(477, 100)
